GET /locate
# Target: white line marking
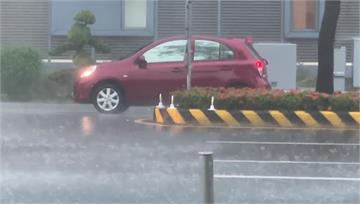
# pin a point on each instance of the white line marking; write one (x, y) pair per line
(286, 162)
(205, 127)
(284, 143)
(287, 177)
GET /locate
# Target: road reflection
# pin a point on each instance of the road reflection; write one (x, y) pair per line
(87, 125)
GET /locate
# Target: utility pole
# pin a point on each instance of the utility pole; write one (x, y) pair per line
(189, 48)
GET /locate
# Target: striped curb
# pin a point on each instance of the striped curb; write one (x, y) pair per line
(287, 119)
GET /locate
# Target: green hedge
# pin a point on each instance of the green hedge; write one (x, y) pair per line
(20, 66)
(258, 99)
(53, 87)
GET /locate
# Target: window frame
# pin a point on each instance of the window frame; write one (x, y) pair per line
(210, 60)
(289, 33)
(149, 31)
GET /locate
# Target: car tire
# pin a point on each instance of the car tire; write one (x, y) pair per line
(108, 98)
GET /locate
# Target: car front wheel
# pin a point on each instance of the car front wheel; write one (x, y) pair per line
(108, 98)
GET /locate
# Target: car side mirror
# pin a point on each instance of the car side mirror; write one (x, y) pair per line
(141, 62)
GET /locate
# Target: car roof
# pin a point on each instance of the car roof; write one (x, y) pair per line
(208, 37)
(232, 42)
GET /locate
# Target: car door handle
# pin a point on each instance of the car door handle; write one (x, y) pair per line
(176, 70)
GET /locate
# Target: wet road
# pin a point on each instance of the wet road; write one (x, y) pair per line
(69, 153)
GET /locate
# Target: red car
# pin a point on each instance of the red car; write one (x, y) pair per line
(161, 68)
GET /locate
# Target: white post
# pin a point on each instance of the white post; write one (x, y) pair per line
(189, 48)
(172, 102)
(212, 107)
(207, 177)
(160, 105)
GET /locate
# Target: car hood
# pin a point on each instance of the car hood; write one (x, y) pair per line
(114, 68)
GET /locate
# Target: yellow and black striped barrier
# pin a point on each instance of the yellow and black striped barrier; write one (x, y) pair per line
(288, 119)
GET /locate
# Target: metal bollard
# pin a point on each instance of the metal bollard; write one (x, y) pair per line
(207, 176)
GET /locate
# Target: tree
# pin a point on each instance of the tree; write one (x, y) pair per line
(79, 37)
(325, 79)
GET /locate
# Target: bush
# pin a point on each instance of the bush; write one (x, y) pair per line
(63, 77)
(258, 99)
(304, 78)
(56, 86)
(20, 66)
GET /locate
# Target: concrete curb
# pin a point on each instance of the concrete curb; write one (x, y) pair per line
(287, 119)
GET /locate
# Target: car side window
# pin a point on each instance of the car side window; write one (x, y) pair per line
(206, 50)
(211, 50)
(226, 53)
(172, 51)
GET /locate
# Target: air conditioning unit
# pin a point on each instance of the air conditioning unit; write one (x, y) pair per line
(356, 63)
(282, 63)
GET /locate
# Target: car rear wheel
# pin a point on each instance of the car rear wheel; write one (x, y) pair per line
(108, 98)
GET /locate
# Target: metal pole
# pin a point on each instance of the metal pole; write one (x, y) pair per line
(49, 29)
(189, 48)
(92, 53)
(218, 17)
(207, 177)
(282, 16)
(156, 25)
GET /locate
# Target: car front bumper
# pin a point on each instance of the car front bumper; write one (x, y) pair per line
(82, 91)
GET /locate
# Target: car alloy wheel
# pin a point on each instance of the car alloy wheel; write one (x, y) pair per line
(107, 99)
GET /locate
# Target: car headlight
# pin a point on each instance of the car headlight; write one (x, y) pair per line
(88, 71)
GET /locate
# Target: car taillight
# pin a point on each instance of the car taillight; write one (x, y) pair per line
(260, 65)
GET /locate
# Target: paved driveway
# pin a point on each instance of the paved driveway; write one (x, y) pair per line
(68, 153)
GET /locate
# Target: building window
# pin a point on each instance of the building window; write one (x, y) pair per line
(138, 17)
(303, 18)
(135, 14)
(113, 17)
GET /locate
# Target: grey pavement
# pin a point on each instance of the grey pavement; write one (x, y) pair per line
(69, 153)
